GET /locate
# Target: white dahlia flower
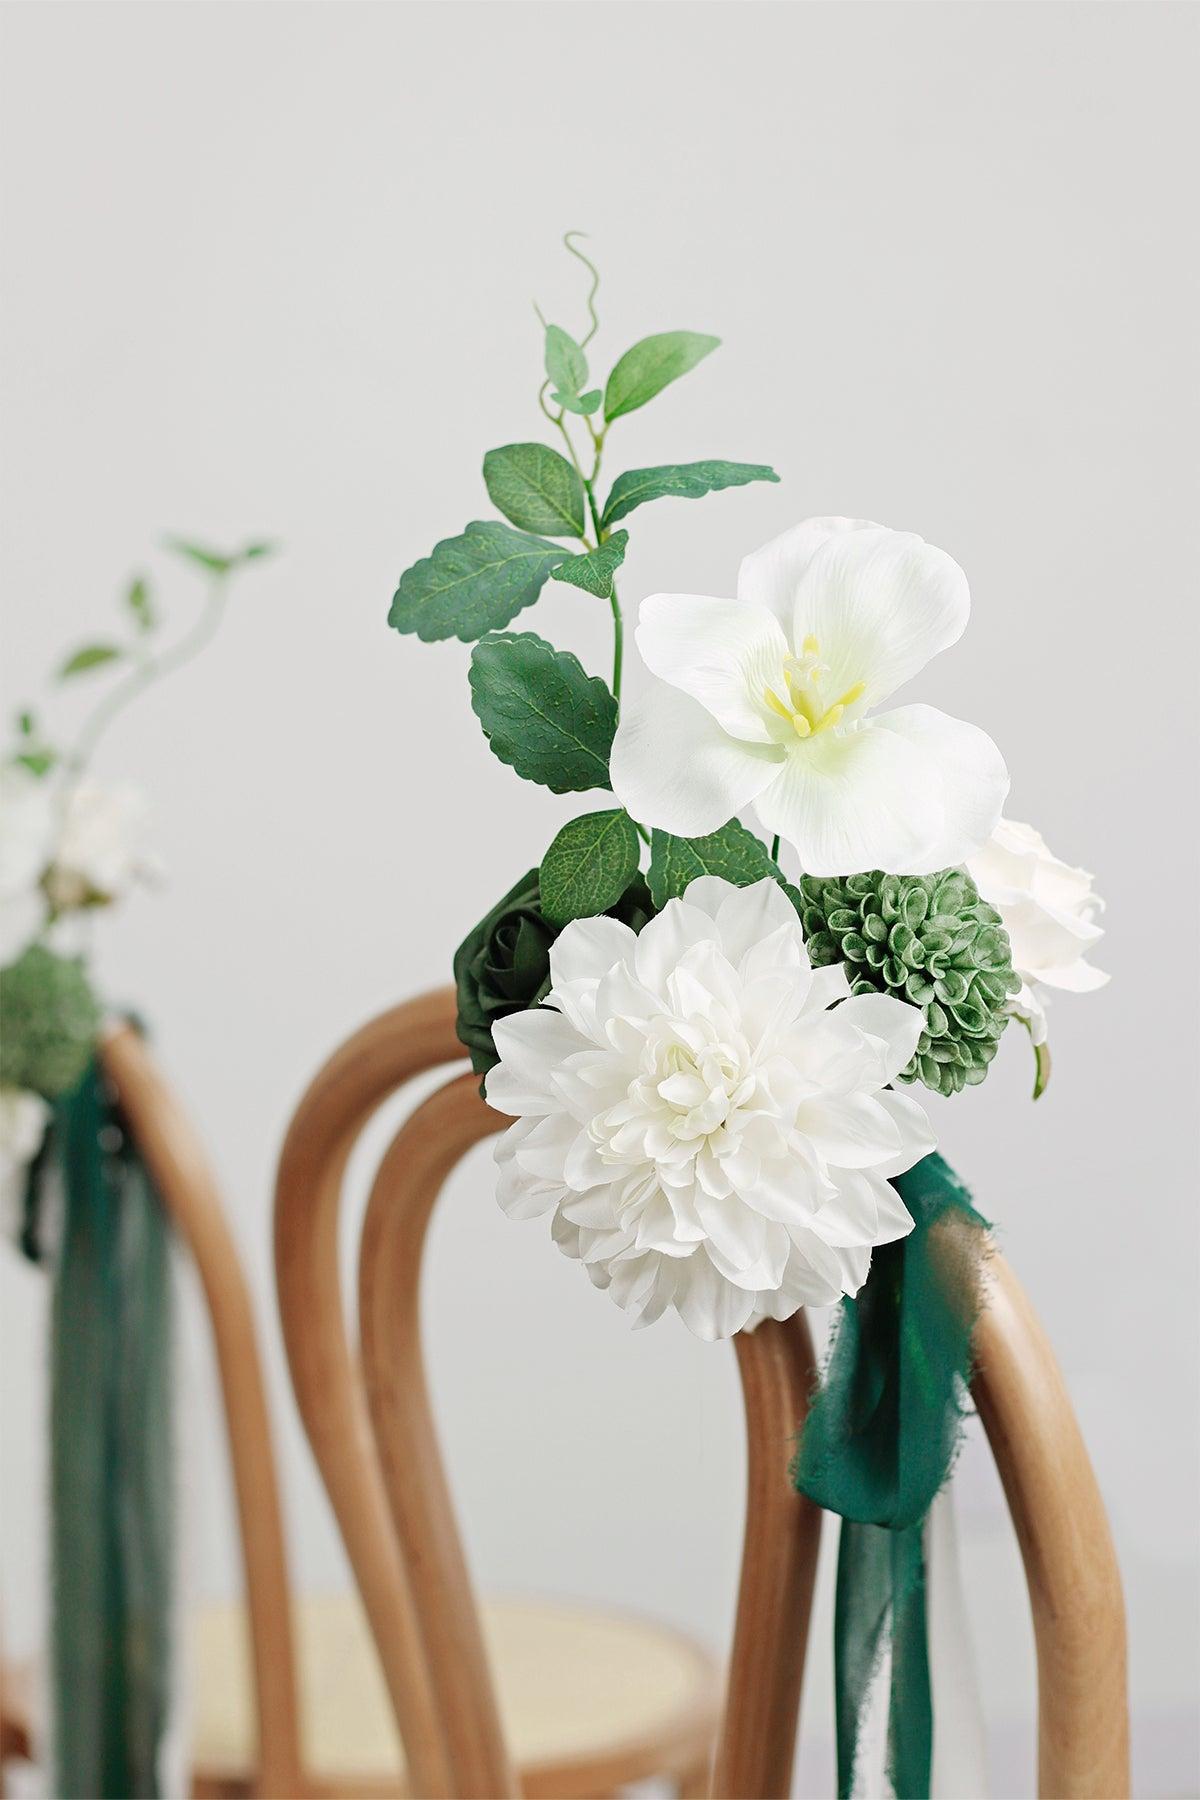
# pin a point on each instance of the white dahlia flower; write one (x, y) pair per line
(1049, 912)
(707, 1133)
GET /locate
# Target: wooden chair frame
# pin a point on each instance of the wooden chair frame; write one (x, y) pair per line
(373, 1435)
(180, 1169)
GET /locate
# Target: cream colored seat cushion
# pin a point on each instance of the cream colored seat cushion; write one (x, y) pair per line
(573, 1685)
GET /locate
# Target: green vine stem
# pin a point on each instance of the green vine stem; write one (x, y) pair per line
(147, 672)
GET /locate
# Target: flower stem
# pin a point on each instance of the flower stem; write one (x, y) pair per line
(145, 675)
(618, 643)
(775, 848)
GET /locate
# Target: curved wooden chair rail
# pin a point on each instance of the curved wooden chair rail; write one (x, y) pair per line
(180, 1169)
(374, 1438)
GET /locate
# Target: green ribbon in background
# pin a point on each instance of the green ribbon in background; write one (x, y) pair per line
(878, 1445)
(111, 1478)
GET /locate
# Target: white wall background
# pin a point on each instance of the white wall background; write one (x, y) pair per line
(268, 269)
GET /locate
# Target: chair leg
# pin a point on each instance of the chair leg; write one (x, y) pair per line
(694, 1782)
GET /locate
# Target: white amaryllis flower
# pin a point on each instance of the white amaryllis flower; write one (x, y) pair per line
(766, 698)
(100, 852)
(706, 1132)
(1049, 912)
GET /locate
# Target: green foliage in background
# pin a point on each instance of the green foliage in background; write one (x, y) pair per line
(49, 1018)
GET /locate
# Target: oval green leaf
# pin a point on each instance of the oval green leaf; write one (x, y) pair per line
(682, 481)
(566, 364)
(535, 488)
(542, 713)
(594, 570)
(473, 583)
(91, 656)
(650, 366)
(588, 866)
(733, 853)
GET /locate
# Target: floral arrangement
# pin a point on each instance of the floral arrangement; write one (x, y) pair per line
(72, 845)
(79, 1201)
(710, 1040)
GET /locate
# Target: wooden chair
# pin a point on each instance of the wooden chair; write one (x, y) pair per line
(288, 1695)
(654, 1695)
(373, 1435)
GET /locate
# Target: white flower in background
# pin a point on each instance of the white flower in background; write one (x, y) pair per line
(101, 846)
(1049, 912)
(707, 1133)
(766, 699)
(27, 826)
(23, 1119)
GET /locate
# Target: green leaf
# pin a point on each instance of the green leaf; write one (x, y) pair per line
(26, 723)
(212, 560)
(217, 562)
(594, 570)
(473, 583)
(683, 481)
(588, 866)
(536, 488)
(648, 368)
(566, 365)
(91, 656)
(38, 762)
(542, 713)
(578, 403)
(733, 853)
(137, 599)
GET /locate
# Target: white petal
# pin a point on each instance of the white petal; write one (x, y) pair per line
(1043, 942)
(974, 781)
(848, 801)
(738, 1233)
(850, 1131)
(666, 940)
(588, 949)
(530, 1044)
(880, 604)
(917, 1136)
(866, 1210)
(721, 652)
(749, 915)
(519, 1195)
(894, 1022)
(672, 766)
(709, 1305)
(771, 576)
(1028, 1006)
(1075, 978)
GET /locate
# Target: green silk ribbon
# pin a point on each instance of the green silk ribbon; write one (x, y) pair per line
(112, 1538)
(879, 1443)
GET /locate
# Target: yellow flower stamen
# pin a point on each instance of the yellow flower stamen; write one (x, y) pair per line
(802, 677)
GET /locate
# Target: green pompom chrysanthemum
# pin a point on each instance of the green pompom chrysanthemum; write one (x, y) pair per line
(48, 1022)
(928, 939)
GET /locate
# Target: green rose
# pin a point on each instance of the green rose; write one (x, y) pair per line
(503, 965)
(50, 1021)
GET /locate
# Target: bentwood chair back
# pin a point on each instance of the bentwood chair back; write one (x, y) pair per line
(179, 1167)
(373, 1434)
